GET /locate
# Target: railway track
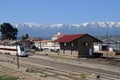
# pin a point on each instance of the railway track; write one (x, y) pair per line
(76, 68)
(35, 63)
(38, 68)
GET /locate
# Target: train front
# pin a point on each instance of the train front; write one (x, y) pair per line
(22, 51)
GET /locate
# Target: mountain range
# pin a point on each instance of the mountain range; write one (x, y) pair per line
(93, 28)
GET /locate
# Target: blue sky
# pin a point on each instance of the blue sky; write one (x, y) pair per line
(59, 11)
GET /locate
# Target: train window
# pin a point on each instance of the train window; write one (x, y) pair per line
(21, 48)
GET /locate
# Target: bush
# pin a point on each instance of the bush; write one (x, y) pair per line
(83, 76)
(7, 77)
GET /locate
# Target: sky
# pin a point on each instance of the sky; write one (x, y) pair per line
(59, 11)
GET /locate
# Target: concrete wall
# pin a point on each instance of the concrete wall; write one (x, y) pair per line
(68, 53)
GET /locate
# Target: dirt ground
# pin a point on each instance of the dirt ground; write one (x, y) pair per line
(24, 74)
(12, 70)
(8, 68)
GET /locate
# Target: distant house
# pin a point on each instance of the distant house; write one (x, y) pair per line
(108, 46)
(55, 37)
(112, 44)
(48, 44)
(45, 45)
(77, 45)
(25, 43)
(58, 35)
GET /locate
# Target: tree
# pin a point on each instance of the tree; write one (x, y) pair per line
(26, 36)
(8, 31)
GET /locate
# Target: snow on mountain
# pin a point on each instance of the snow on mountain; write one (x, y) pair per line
(56, 25)
(94, 28)
(27, 24)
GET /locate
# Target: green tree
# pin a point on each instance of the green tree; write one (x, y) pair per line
(26, 36)
(8, 31)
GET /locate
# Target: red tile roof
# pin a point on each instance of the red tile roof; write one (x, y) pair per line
(69, 38)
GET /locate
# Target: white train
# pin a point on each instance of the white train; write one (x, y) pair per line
(13, 50)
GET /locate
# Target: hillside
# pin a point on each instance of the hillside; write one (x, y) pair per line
(93, 28)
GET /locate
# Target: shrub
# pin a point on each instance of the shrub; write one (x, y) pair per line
(7, 77)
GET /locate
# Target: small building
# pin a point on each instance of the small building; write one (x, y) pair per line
(113, 45)
(25, 43)
(58, 35)
(46, 45)
(43, 44)
(55, 37)
(108, 47)
(77, 45)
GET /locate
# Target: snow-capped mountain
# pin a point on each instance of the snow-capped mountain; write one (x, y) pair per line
(93, 28)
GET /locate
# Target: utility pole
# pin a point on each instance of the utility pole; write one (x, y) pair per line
(17, 54)
(107, 44)
(40, 43)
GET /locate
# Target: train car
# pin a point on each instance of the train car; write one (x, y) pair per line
(13, 50)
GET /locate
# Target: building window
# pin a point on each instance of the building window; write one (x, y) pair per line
(85, 44)
(72, 44)
(64, 43)
(45, 43)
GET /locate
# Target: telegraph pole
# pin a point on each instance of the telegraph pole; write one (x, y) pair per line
(17, 54)
(107, 44)
(40, 42)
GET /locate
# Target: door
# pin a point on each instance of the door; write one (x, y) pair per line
(90, 52)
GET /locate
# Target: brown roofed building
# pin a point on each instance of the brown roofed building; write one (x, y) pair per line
(77, 45)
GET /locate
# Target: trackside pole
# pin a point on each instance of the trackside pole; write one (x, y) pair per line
(17, 55)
